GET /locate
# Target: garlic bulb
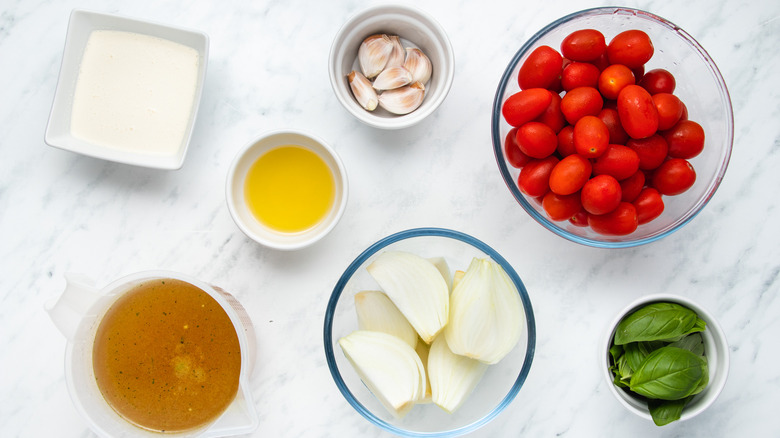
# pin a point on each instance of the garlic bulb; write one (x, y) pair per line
(376, 312)
(418, 64)
(391, 78)
(373, 54)
(403, 100)
(398, 55)
(486, 313)
(452, 377)
(416, 287)
(389, 368)
(363, 90)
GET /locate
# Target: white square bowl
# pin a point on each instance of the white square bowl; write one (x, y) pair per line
(80, 26)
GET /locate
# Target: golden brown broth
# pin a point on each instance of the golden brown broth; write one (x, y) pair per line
(166, 356)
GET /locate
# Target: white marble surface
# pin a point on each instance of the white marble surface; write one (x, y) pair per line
(60, 212)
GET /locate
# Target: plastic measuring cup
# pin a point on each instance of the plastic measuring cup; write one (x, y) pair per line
(77, 314)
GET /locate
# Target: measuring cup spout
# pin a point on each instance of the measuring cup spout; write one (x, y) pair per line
(67, 310)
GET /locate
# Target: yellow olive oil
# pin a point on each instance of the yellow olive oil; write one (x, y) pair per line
(289, 189)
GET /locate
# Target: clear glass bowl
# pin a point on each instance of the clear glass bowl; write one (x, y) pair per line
(495, 391)
(699, 85)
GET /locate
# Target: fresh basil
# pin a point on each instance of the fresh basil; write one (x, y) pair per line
(669, 373)
(657, 321)
(636, 352)
(666, 411)
(693, 343)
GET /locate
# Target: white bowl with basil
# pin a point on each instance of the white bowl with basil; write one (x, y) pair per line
(665, 358)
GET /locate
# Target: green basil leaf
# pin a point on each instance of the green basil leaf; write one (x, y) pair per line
(705, 378)
(624, 369)
(636, 352)
(666, 411)
(615, 351)
(654, 322)
(693, 343)
(669, 373)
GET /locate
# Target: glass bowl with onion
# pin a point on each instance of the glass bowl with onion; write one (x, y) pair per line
(456, 264)
(699, 85)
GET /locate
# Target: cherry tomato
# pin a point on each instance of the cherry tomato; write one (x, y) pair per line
(669, 109)
(685, 139)
(579, 219)
(619, 222)
(584, 45)
(637, 111)
(684, 115)
(613, 79)
(610, 117)
(673, 177)
(631, 48)
(618, 161)
(566, 141)
(639, 73)
(534, 178)
(570, 174)
(652, 151)
(591, 137)
(649, 205)
(540, 69)
(561, 207)
(526, 105)
(536, 140)
(580, 102)
(552, 116)
(514, 155)
(657, 81)
(600, 194)
(631, 186)
(601, 62)
(579, 74)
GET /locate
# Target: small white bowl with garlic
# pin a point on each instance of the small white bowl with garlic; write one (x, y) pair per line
(363, 38)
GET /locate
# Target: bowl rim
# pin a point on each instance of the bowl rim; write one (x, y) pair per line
(428, 232)
(498, 141)
(401, 121)
(719, 340)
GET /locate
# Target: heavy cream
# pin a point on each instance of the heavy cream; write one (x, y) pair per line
(134, 92)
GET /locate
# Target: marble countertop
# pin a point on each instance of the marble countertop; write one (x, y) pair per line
(61, 212)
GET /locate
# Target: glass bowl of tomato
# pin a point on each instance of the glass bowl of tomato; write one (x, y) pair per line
(612, 127)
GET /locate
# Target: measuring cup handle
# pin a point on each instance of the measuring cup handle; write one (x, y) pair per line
(67, 310)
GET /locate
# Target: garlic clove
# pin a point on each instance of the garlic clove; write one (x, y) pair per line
(398, 55)
(362, 90)
(416, 287)
(418, 64)
(486, 313)
(373, 54)
(423, 351)
(376, 312)
(392, 78)
(452, 377)
(389, 368)
(403, 100)
(444, 268)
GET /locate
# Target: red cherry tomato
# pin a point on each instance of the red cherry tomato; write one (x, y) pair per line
(552, 116)
(669, 109)
(561, 207)
(684, 115)
(591, 137)
(637, 111)
(619, 222)
(534, 178)
(613, 79)
(579, 219)
(610, 117)
(631, 186)
(514, 155)
(566, 141)
(579, 74)
(540, 69)
(581, 102)
(526, 105)
(673, 177)
(601, 62)
(649, 205)
(570, 174)
(600, 194)
(536, 140)
(631, 48)
(618, 161)
(685, 139)
(652, 151)
(657, 81)
(584, 45)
